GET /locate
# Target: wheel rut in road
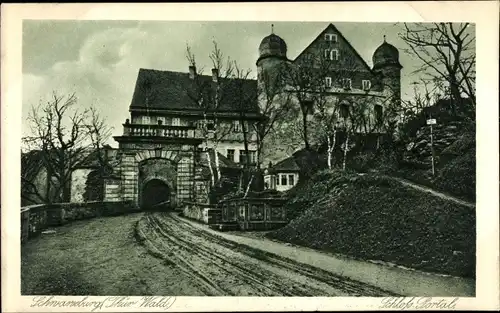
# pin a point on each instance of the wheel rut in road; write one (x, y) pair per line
(220, 267)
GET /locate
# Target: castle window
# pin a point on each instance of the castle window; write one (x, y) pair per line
(210, 125)
(367, 85)
(230, 154)
(347, 83)
(242, 156)
(146, 120)
(328, 82)
(344, 110)
(176, 121)
(334, 55)
(331, 37)
(327, 53)
(253, 156)
(378, 113)
(237, 126)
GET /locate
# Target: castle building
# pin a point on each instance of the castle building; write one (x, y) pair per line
(339, 73)
(176, 118)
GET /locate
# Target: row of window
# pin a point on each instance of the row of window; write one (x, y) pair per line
(242, 156)
(331, 37)
(285, 180)
(347, 83)
(160, 120)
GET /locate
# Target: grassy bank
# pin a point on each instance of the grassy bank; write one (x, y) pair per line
(375, 218)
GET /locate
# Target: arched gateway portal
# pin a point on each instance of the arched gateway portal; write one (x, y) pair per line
(157, 183)
(154, 192)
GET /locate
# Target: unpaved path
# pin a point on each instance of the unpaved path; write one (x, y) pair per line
(220, 267)
(432, 191)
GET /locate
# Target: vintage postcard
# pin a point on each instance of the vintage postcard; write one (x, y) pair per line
(250, 157)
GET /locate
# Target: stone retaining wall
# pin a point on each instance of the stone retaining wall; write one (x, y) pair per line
(37, 218)
(201, 212)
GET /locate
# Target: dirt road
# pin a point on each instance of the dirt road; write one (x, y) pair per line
(219, 267)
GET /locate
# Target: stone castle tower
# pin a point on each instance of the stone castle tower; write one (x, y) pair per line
(388, 69)
(272, 58)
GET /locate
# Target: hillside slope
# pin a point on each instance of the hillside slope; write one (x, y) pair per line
(377, 218)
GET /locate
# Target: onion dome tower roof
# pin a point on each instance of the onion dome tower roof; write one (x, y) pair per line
(272, 46)
(385, 54)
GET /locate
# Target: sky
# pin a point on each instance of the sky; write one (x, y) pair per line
(99, 60)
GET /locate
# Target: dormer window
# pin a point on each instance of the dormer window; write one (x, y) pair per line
(176, 121)
(367, 85)
(146, 120)
(328, 82)
(347, 83)
(331, 37)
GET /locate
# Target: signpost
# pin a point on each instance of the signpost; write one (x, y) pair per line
(432, 121)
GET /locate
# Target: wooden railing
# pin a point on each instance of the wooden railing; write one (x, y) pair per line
(159, 131)
(37, 218)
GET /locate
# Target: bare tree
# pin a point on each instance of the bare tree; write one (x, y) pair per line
(447, 51)
(210, 95)
(275, 105)
(244, 97)
(66, 138)
(302, 82)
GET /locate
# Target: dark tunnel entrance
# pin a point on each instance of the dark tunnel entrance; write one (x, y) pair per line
(155, 195)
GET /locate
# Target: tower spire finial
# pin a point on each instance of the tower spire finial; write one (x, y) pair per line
(272, 28)
(384, 38)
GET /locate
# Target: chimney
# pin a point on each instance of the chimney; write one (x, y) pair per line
(192, 71)
(215, 75)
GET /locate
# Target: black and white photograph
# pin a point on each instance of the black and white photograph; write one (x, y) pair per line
(162, 159)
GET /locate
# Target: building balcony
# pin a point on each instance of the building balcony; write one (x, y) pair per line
(167, 131)
(152, 134)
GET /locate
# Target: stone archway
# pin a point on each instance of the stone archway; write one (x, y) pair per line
(154, 192)
(158, 173)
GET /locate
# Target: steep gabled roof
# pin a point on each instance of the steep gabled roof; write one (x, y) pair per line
(167, 90)
(331, 26)
(286, 165)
